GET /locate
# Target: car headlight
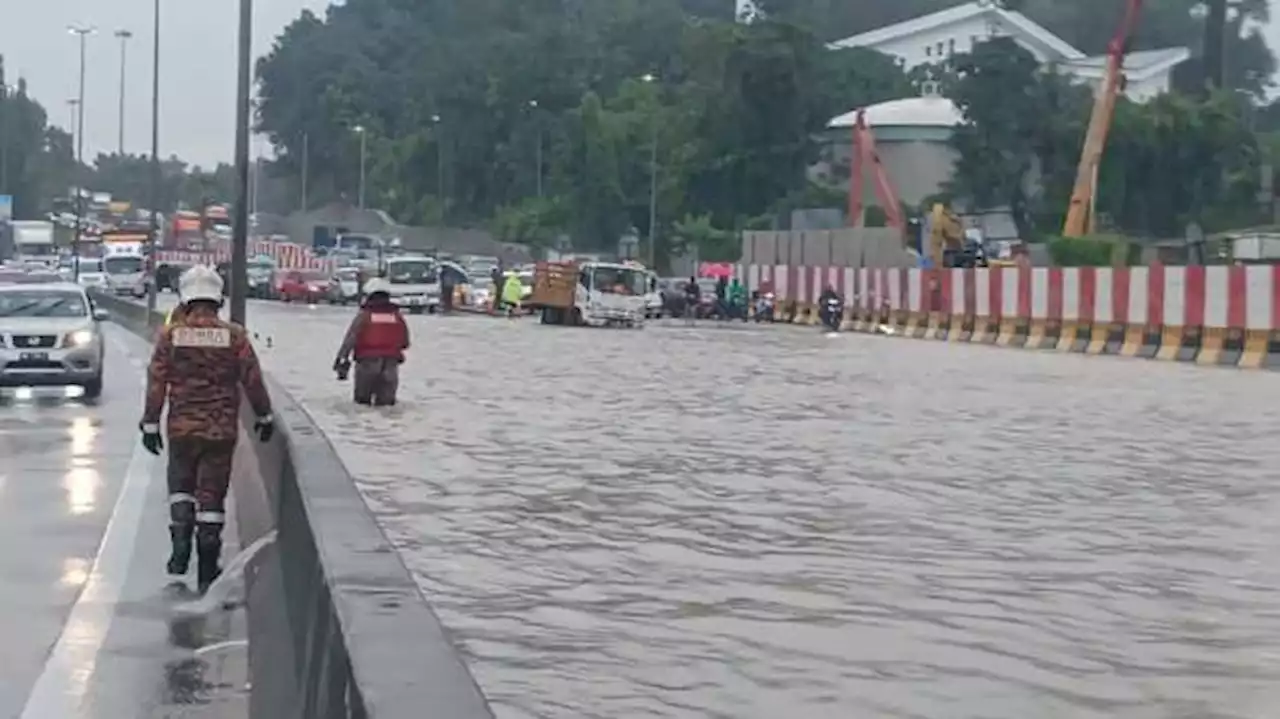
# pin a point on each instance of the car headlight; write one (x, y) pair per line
(80, 338)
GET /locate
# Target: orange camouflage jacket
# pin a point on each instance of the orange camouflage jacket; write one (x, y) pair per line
(199, 365)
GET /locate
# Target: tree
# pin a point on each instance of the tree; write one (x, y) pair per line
(998, 91)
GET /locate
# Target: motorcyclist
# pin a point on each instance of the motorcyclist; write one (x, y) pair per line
(377, 338)
(200, 365)
(692, 296)
(737, 299)
(824, 303)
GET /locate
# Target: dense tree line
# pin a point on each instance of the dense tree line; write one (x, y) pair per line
(458, 101)
(36, 159)
(182, 186)
(541, 118)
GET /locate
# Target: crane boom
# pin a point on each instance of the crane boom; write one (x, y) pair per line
(1080, 212)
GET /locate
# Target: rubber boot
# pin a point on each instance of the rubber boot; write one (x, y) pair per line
(180, 556)
(209, 555)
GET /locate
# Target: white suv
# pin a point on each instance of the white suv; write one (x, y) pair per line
(50, 335)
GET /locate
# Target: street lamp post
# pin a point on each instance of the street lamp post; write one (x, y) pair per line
(440, 193)
(360, 130)
(240, 228)
(653, 184)
(154, 233)
(538, 156)
(306, 151)
(7, 94)
(124, 36)
(84, 32)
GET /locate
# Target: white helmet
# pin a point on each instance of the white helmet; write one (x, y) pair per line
(377, 284)
(200, 283)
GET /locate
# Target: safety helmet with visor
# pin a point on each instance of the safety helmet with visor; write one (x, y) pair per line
(200, 283)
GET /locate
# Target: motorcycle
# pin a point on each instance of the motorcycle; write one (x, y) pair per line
(765, 307)
(832, 314)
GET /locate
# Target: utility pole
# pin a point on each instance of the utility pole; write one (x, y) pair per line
(240, 228)
(153, 235)
(124, 36)
(84, 33)
(306, 151)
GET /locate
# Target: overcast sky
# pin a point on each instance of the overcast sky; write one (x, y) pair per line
(197, 77)
(197, 80)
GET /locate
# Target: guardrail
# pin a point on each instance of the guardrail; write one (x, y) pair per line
(338, 629)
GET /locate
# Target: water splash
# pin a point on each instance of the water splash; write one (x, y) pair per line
(218, 594)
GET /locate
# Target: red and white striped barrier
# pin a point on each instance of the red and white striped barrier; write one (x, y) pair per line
(1210, 315)
(288, 256)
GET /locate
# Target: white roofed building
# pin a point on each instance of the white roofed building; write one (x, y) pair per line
(936, 37)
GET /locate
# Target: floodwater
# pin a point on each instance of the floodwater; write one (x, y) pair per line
(752, 523)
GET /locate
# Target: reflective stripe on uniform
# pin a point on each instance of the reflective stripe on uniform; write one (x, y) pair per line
(211, 517)
(181, 497)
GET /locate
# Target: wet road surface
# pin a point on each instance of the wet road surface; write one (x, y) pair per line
(88, 626)
(750, 523)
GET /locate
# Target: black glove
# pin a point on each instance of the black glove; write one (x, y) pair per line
(265, 427)
(151, 439)
(342, 368)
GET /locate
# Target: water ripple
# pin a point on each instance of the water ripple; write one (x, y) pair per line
(727, 522)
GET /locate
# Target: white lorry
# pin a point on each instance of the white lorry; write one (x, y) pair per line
(33, 242)
(414, 282)
(593, 294)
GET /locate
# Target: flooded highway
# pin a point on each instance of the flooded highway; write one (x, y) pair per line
(742, 522)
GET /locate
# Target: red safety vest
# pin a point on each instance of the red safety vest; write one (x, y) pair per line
(383, 335)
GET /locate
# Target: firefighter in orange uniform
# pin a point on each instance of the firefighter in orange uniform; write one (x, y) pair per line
(377, 338)
(200, 364)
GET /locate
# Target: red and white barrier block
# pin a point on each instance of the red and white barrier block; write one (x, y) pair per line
(1209, 315)
(288, 256)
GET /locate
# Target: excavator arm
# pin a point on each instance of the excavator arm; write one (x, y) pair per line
(1080, 220)
(866, 157)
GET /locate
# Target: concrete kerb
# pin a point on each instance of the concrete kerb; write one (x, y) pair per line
(338, 627)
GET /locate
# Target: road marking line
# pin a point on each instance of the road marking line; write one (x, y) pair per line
(63, 683)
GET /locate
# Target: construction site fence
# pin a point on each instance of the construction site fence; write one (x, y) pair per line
(847, 247)
(1231, 309)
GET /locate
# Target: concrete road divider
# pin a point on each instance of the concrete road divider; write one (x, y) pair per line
(1217, 315)
(338, 629)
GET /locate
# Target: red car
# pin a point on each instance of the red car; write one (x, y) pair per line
(308, 286)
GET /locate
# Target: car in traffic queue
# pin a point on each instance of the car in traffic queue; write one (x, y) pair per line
(126, 275)
(260, 275)
(414, 282)
(50, 335)
(91, 274)
(310, 286)
(344, 286)
(167, 274)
